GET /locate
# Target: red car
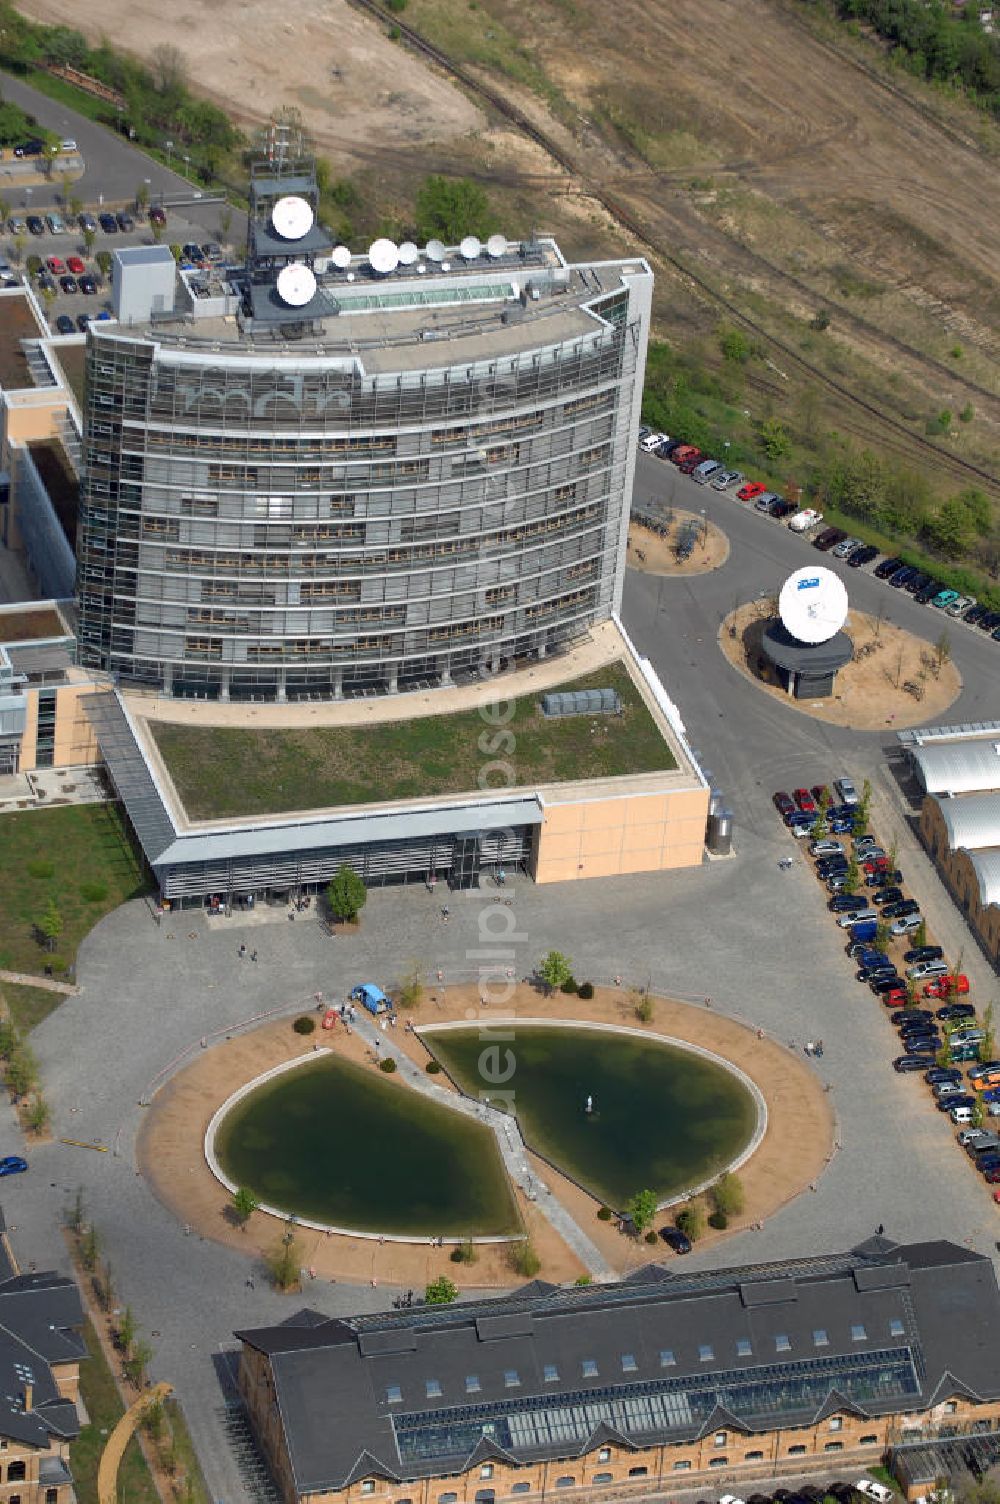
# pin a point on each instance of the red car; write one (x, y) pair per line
(878, 864)
(805, 801)
(750, 490)
(947, 986)
(55, 266)
(821, 792)
(684, 452)
(992, 1177)
(686, 467)
(784, 804)
(75, 265)
(896, 998)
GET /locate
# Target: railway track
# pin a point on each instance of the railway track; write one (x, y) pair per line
(646, 236)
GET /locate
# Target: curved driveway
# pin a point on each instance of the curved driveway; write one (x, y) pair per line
(755, 941)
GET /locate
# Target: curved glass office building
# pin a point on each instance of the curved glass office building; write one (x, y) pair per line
(414, 476)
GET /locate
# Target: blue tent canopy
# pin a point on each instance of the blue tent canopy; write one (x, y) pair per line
(372, 997)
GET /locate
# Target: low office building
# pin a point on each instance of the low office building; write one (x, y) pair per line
(41, 1345)
(659, 1382)
(43, 695)
(958, 770)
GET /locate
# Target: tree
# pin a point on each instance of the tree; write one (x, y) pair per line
(90, 1246)
(727, 1194)
(942, 652)
(75, 1218)
(734, 345)
(88, 241)
(225, 221)
(523, 1259)
(169, 69)
(978, 1112)
(920, 934)
(554, 969)
(852, 876)
(141, 196)
(156, 230)
(642, 1005)
(127, 1331)
(285, 1261)
(103, 259)
(883, 934)
(411, 989)
(774, 440)
(440, 1291)
(989, 1032)
(862, 810)
(37, 1116)
(137, 1362)
(819, 826)
(346, 894)
(50, 925)
(691, 1220)
(17, 249)
(642, 1209)
(244, 1205)
(449, 208)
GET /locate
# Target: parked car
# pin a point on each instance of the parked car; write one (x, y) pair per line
(846, 792)
(847, 903)
(961, 1112)
(899, 579)
(35, 224)
(65, 325)
(87, 222)
(680, 456)
(950, 986)
(924, 594)
(901, 908)
(56, 224)
(945, 598)
(13, 1164)
(960, 606)
(752, 489)
(951, 1011)
(56, 265)
(868, 955)
(88, 285)
(125, 222)
(887, 568)
(975, 615)
(17, 225)
(75, 265)
(675, 1239)
(888, 986)
(857, 917)
(69, 284)
(805, 801)
(942, 1073)
(827, 538)
(826, 847)
(783, 803)
(887, 895)
(725, 480)
(911, 1015)
(863, 555)
(844, 547)
(894, 997)
(762, 503)
(923, 953)
(925, 969)
(702, 473)
(647, 444)
(910, 1063)
(906, 924)
(108, 223)
(804, 520)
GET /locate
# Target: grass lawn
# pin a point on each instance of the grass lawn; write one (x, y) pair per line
(105, 1409)
(78, 854)
(220, 771)
(28, 1006)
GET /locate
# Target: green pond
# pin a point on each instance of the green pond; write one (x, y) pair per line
(663, 1118)
(335, 1143)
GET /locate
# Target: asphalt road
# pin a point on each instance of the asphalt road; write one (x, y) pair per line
(757, 942)
(114, 168)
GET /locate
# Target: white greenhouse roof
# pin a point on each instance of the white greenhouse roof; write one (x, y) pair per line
(972, 822)
(959, 767)
(986, 865)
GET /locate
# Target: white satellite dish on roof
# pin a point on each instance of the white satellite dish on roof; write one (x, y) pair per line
(296, 284)
(383, 256)
(341, 257)
(496, 246)
(292, 217)
(434, 250)
(408, 253)
(470, 248)
(813, 605)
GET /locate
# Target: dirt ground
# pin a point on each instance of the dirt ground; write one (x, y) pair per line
(351, 84)
(869, 692)
(654, 555)
(799, 1142)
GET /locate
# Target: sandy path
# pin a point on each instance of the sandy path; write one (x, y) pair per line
(798, 1143)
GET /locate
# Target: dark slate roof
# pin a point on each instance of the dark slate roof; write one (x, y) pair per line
(661, 1356)
(40, 1324)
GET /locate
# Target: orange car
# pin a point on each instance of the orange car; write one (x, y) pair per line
(984, 1083)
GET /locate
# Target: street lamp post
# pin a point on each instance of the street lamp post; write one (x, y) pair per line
(187, 163)
(169, 146)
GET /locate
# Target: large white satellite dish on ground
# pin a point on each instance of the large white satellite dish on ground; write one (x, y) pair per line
(341, 257)
(813, 605)
(383, 256)
(470, 248)
(408, 253)
(434, 250)
(296, 284)
(292, 217)
(496, 246)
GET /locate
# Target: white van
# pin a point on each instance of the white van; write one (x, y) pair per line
(961, 1116)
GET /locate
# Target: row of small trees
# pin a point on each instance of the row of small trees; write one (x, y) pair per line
(725, 1199)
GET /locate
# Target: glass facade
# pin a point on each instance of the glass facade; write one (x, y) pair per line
(658, 1409)
(275, 527)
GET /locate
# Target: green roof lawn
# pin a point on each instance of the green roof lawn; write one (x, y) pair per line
(222, 771)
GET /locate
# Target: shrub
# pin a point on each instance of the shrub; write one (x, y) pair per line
(727, 1194)
(433, 1067)
(465, 1253)
(569, 986)
(643, 1006)
(583, 1279)
(651, 1237)
(604, 1214)
(37, 1115)
(524, 1260)
(388, 1065)
(304, 1024)
(585, 990)
(175, 251)
(718, 1220)
(691, 1220)
(440, 1291)
(41, 869)
(93, 892)
(456, 1256)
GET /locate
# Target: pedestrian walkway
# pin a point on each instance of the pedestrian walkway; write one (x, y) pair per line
(48, 984)
(509, 1142)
